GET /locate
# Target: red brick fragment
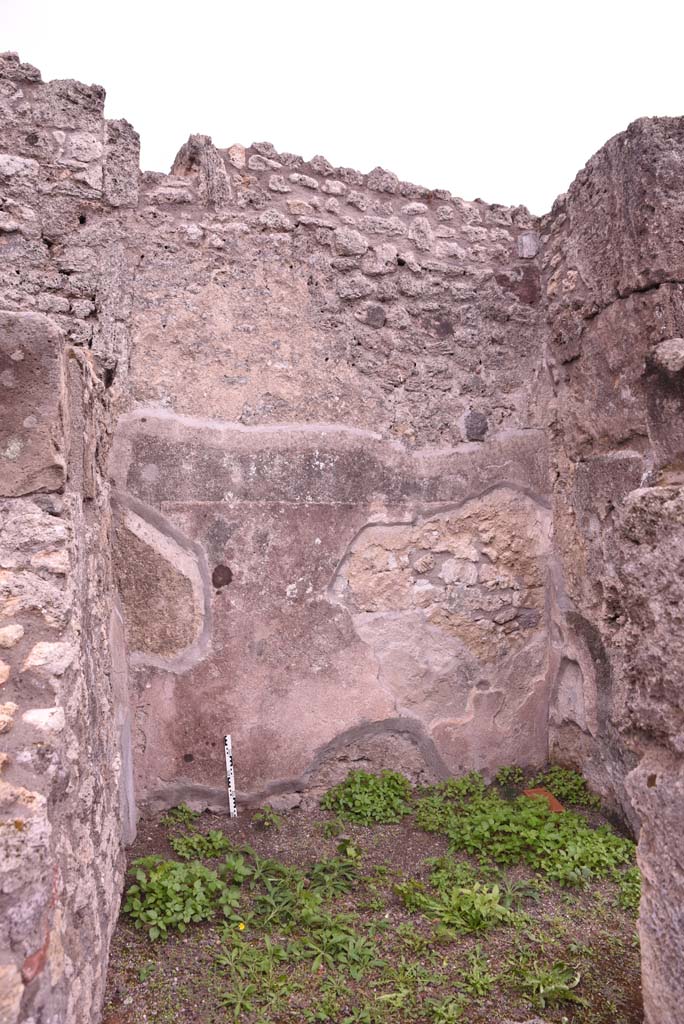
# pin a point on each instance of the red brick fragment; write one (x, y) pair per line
(540, 792)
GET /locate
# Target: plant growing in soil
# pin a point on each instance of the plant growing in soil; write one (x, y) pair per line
(338, 946)
(332, 828)
(510, 775)
(266, 818)
(318, 938)
(333, 877)
(567, 786)
(478, 980)
(367, 798)
(167, 894)
(198, 846)
(564, 847)
(446, 1011)
(180, 815)
(348, 848)
(629, 889)
(235, 868)
(549, 986)
(464, 908)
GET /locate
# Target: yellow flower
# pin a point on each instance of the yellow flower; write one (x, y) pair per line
(241, 926)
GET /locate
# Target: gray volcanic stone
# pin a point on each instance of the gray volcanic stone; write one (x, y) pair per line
(277, 183)
(476, 425)
(375, 315)
(347, 242)
(380, 180)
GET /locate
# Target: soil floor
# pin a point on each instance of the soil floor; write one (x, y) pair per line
(234, 970)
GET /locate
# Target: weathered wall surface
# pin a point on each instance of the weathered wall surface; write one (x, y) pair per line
(360, 473)
(63, 717)
(614, 279)
(332, 480)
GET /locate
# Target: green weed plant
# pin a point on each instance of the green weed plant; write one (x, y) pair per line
(564, 847)
(198, 846)
(568, 786)
(170, 894)
(369, 799)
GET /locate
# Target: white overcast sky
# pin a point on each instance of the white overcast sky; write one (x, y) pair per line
(501, 100)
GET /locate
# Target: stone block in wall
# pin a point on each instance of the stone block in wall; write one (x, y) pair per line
(200, 159)
(32, 456)
(648, 594)
(657, 788)
(665, 404)
(122, 164)
(618, 229)
(616, 313)
(51, 134)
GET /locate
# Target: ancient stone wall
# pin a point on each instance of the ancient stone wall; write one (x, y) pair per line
(64, 719)
(334, 460)
(359, 472)
(614, 279)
